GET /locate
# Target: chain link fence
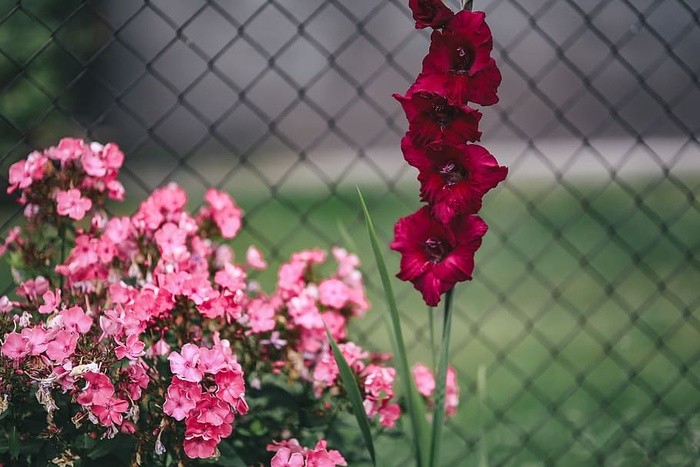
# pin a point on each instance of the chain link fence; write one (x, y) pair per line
(583, 315)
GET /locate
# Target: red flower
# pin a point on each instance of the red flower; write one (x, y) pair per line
(435, 257)
(459, 64)
(430, 13)
(454, 179)
(431, 117)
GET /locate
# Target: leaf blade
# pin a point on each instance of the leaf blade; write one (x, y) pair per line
(354, 395)
(415, 406)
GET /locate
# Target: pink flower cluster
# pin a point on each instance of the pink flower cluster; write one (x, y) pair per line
(291, 454)
(207, 391)
(425, 383)
(438, 242)
(94, 165)
(146, 324)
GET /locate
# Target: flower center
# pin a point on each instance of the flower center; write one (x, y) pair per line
(452, 173)
(435, 249)
(442, 113)
(462, 60)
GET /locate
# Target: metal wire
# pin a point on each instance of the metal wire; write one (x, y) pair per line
(584, 309)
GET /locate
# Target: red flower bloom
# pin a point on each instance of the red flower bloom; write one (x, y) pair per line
(454, 179)
(435, 257)
(459, 64)
(431, 117)
(430, 13)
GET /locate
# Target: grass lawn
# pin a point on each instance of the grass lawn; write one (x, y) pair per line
(583, 314)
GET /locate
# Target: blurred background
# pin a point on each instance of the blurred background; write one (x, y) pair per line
(583, 312)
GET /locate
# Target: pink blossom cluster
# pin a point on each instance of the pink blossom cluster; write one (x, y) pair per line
(95, 167)
(145, 324)
(207, 391)
(425, 383)
(291, 454)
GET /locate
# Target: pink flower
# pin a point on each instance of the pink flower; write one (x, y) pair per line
(138, 379)
(210, 410)
(435, 257)
(171, 242)
(113, 156)
(24, 172)
(161, 347)
(451, 392)
(379, 382)
(51, 301)
(335, 322)
(425, 382)
(132, 349)
(225, 213)
(15, 346)
(261, 316)
(62, 346)
(75, 319)
(254, 258)
(211, 361)
(333, 455)
(68, 149)
(36, 339)
(118, 229)
(389, 414)
(286, 458)
(231, 277)
(111, 411)
(230, 386)
(93, 165)
(185, 365)
(181, 398)
(354, 355)
(325, 374)
(333, 293)
(99, 389)
(71, 203)
(200, 447)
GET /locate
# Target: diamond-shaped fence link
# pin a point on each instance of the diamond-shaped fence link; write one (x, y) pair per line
(583, 314)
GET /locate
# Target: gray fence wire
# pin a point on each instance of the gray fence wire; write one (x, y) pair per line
(583, 315)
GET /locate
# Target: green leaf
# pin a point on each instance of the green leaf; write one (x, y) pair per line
(481, 394)
(441, 382)
(414, 403)
(101, 449)
(13, 442)
(229, 456)
(354, 395)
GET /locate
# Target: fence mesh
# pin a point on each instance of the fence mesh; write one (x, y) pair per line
(582, 319)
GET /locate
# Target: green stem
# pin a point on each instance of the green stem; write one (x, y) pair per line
(441, 383)
(433, 353)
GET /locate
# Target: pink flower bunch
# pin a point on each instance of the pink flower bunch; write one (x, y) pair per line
(438, 242)
(145, 326)
(425, 383)
(291, 454)
(375, 378)
(207, 391)
(94, 165)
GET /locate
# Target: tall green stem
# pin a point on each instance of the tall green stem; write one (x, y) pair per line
(441, 383)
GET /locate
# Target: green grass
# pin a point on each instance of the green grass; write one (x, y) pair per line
(583, 311)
